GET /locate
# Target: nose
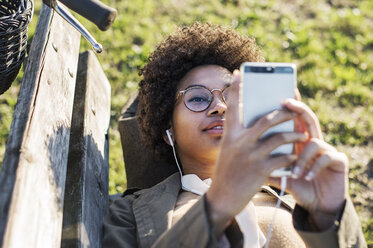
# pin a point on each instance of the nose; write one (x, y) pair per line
(218, 106)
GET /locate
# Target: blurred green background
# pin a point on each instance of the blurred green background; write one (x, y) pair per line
(330, 41)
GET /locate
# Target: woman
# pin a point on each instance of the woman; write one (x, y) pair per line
(233, 210)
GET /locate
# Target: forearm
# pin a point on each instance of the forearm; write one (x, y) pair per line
(217, 217)
(345, 230)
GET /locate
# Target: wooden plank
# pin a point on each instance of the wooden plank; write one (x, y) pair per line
(138, 159)
(86, 192)
(33, 175)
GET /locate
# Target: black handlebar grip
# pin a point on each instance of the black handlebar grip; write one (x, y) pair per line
(95, 11)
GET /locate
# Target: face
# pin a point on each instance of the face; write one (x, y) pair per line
(197, 135)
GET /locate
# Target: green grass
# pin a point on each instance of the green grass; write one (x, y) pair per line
(331, 45)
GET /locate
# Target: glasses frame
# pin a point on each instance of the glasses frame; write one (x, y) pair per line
(182, 93)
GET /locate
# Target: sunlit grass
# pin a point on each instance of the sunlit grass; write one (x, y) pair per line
(331, 45)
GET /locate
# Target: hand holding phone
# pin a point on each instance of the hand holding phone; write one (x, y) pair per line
(265, 87)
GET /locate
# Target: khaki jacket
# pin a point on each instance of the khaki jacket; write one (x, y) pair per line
(143, 219)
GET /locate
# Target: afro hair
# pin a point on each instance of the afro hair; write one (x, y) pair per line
(189, 47)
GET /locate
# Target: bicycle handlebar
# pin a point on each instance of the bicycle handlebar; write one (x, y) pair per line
(93, 10)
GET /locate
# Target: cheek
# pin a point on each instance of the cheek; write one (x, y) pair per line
(186, 125)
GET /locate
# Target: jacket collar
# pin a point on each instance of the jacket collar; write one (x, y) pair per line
(153, 209)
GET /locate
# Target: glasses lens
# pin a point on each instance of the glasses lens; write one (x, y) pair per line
(197, 99)
(225, 94)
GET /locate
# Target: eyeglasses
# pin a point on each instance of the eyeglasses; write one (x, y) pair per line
(199, 98)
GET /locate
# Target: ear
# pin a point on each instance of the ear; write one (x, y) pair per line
(165, 136)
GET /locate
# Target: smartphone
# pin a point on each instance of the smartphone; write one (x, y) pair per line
(265, 87)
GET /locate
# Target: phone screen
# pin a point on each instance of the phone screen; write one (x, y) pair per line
(265, 87)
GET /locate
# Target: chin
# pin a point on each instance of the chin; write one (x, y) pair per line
(216, 141)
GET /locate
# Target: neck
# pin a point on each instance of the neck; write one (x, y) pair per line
(202, 167)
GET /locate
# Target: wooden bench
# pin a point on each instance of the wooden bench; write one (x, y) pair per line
(54, 177)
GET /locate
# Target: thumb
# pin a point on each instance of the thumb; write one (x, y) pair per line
(232, 113)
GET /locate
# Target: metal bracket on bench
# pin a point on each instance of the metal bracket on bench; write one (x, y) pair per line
(97, 47)
(95, 11)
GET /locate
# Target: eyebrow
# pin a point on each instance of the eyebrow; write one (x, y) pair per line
(200, 85)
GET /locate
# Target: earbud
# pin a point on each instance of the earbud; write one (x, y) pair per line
(169, 137)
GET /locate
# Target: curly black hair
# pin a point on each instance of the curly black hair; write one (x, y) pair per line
(189, 47)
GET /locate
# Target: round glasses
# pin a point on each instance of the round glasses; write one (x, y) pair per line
(199, 98)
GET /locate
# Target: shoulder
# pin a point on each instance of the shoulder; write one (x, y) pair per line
(169, 185)
(123, 207)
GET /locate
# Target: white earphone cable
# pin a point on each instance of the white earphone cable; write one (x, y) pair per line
(283, 187)
(173, 149)
(177, 163)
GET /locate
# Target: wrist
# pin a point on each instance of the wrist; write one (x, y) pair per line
(325, 219)
(322, 221)
(219, 216)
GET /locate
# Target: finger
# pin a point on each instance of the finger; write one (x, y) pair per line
(297, 95)
(309, 152)
(269, 120)
(280, 161)
(337, 159)
(232, 112)
(271, 143)
(299, 127)
(306, 115)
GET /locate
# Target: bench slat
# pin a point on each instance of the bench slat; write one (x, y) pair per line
(86, 192)
(32, 180)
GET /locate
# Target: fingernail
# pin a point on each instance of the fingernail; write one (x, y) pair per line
(294, 176)
(310, 175)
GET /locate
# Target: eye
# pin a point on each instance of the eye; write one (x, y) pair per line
(197, 96)
(198, 99)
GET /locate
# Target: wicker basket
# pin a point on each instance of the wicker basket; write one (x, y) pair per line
(15, 15)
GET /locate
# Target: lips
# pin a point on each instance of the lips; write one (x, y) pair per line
(215, 128)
